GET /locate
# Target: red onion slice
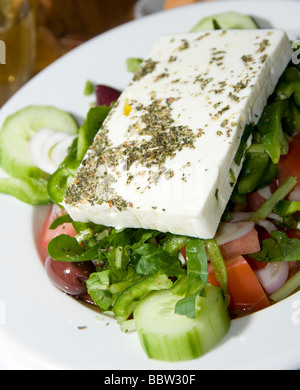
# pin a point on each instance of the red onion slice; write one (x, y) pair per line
(106, 95)
(273, 276)
(229, 231)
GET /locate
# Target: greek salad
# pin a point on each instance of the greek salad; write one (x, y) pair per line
(178, 293)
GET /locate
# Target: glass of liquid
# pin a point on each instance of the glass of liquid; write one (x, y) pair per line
(17, 46)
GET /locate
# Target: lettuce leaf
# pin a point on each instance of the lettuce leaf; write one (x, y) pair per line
(279, 247)
(197, 277)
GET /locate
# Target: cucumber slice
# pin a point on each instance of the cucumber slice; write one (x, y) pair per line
(20, 127)
(167, 336)
(226, 20)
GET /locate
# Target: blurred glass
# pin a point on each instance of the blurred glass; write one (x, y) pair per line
(17, 46)
(147, 7)
(65, 24)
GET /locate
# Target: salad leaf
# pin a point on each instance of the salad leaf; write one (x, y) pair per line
(154, 260)
(197, 277)
(270, 128)
(258, 170)
(279, 247)
(121, 279)
(65, 218)
(29, 189)
(187, 306)
(97, 286)
(288, 88)
(105, 286)
(289, 85)
(65, 248)
(197, 266)
(130, 261)
(287, 222)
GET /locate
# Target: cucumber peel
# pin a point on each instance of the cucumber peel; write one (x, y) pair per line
(167, 336)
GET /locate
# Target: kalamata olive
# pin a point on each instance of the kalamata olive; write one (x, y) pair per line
(106, 95)
(69, 277)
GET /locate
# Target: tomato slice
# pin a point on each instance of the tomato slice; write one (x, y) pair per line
(245, 245)
(246, 293)
(289, 164)
(48, 234)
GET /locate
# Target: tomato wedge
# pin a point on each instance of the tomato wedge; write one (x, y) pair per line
(245, 245)
(289, 164)
(246, 293)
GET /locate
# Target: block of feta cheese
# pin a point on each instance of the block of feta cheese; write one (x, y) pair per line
(164, 157)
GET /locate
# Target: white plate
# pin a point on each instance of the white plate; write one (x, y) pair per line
(39, 325)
